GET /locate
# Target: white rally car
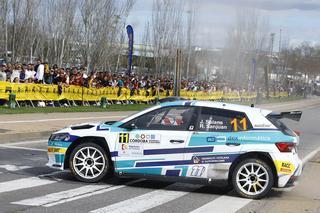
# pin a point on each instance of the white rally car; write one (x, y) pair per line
(249, 147)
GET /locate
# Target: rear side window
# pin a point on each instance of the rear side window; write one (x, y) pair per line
(281, 126)
(220, 120)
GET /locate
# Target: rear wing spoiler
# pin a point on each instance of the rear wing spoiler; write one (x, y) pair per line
(293, 115)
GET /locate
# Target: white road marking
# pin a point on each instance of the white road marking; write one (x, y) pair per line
(23, 183)
(13, 168)
(23, 148)
(59, 119)
(14, 145)
(55, 197)
(151, 199)
(108, 189)
(223, 204)
(24, 142)
(310, 155)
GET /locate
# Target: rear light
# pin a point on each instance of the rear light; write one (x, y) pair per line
(285, 147)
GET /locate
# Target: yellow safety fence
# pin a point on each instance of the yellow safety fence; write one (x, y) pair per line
(36, 92)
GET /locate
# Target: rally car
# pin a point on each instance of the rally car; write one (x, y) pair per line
(191, 140)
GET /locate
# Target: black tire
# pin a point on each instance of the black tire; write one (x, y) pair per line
(252, 180)
(100, 166)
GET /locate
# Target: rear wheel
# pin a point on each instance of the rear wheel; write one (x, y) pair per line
(252, 178)
(89, 162)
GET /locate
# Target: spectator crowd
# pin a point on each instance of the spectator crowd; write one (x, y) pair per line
(42, 73)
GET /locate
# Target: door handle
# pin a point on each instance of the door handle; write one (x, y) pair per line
(176, 141)
(232, 144)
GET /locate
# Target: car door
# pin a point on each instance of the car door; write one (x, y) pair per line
(220, 132)
(154, 143)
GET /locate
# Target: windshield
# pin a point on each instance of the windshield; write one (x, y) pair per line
(126, 119)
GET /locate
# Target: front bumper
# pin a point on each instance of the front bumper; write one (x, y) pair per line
(56, 154)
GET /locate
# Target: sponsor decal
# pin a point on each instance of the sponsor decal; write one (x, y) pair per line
(197, 171)
(212, 159)
(262, 125)
(124, 146)
(284, 167)
(57, 150)
(221, 139)
(124, 138)
(145, 138)
(196, 159)
(131, 150)
(248, 138)
(102, 127)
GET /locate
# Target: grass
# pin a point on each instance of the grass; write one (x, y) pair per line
(117, 107)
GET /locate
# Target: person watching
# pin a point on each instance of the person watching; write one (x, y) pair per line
(40, 72)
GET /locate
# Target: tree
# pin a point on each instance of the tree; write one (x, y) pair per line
(4, 11)
(246, 39)
(166, 33)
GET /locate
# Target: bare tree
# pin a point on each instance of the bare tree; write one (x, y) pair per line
(246, 40)
(190, 34)
(166, 31)
(4, 11)
(97, 29)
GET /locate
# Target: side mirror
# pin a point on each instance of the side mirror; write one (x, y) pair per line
(131, 126)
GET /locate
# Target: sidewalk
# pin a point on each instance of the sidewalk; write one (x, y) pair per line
(22, 127)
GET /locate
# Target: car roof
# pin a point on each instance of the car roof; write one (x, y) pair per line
(219, 105)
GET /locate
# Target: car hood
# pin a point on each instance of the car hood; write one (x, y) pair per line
(89, 126)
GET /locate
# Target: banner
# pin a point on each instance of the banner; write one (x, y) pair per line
(130, 48)
(46, 92)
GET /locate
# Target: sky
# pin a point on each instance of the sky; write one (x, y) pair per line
(299, 20)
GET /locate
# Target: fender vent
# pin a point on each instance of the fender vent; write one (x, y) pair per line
(86, 126)
(109, 122)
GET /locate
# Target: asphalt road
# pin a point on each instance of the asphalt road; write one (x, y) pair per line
(27, 185)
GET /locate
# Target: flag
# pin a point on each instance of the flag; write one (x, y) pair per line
(130, 49)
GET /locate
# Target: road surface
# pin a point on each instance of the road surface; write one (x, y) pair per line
(27, 185)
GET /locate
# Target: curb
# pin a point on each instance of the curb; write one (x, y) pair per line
(27, 136)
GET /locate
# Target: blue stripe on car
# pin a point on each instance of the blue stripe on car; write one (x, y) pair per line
(61, 144)
(209, 159)
(178, 150)
(114, 154)
(131, 163)
(59, 158)
(152, 171)
(173, 172)
(172, 151)
(184, 170)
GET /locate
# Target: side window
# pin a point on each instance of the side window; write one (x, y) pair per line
(220, 120)
(169, 118)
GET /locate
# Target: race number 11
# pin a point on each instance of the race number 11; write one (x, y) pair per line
(242, 122)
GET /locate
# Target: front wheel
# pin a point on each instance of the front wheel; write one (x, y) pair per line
(252, 178)
(89, 162)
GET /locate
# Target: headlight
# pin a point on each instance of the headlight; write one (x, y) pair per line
(60, 137)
